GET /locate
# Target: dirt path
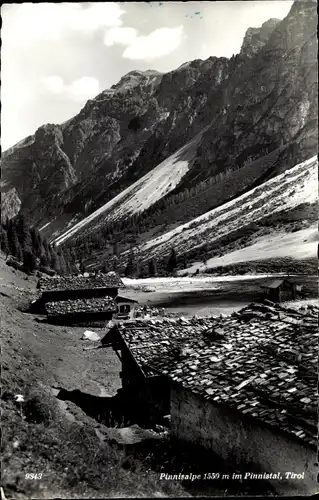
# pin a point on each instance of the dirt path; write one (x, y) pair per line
(50, 353)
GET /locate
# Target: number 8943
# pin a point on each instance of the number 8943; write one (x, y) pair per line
(33, 475)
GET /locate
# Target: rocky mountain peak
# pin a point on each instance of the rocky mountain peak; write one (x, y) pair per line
(267, 28)
(256, 38)
(48, 133)
(149, 78)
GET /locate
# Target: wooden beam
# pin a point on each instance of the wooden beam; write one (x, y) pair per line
(116, 352)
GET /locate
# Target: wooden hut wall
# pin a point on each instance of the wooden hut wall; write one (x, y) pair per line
(92, 317)
(152, 394)
(158, 397)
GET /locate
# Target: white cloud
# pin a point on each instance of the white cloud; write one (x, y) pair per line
(54, 83)
(29, 22)
(16, 96)
(79, 90)
(84, 88)
(158, 43)
(97, 15)
(121, 36)
(204, 52)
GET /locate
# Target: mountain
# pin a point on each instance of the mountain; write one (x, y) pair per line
(168, 148)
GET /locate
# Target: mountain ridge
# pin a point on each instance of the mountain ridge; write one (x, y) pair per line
(256, 108)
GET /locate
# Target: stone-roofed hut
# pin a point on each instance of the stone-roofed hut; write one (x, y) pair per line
(280, 290)
(148, 388)
(80, 287)
(81, 311)
(89, 299)
(243, 386)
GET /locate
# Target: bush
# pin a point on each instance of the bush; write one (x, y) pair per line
(40, 407)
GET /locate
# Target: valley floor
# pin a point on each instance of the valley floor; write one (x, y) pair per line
(204, 295)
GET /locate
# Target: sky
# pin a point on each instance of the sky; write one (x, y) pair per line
(56, 56)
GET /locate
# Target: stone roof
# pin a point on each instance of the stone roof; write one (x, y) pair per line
(58, 283)
(120, 298)
(276, 283)
(64, 307)
(261, 361)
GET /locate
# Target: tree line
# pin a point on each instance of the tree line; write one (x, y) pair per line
(32, 250)
(153, 267)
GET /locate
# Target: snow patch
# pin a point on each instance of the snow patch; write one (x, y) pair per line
(45, 225)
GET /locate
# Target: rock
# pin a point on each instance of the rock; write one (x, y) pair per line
(88, 335)
(10, 204)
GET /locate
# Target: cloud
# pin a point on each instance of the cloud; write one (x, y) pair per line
(121, 36)
(54, 83)
(204, 51)
(29, 22)
(97, 15)
(84, 88)
(79, 90)
(158, 43)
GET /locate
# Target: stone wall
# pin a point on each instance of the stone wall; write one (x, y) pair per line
(246, 443)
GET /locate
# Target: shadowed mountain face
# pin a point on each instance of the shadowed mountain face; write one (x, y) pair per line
(259, 106)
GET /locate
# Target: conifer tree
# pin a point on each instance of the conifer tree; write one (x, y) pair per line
(29, 260)
(172, 261)
(114, 263)
(81, 266)
(14, 245)
(105, 268)
(44, 260)
(152, 267)
(116, 248)
(54, 263)
(23, 233)
(36, 242)
(4, 243)
(130, 266)
(62, 263)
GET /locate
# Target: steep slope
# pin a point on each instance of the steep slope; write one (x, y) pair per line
(140, 195)
(301, 244)
(262, 207)
(257, 113)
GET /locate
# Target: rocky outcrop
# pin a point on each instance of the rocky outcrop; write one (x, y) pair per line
(270, 100)
(10, 204)
(256, 38)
